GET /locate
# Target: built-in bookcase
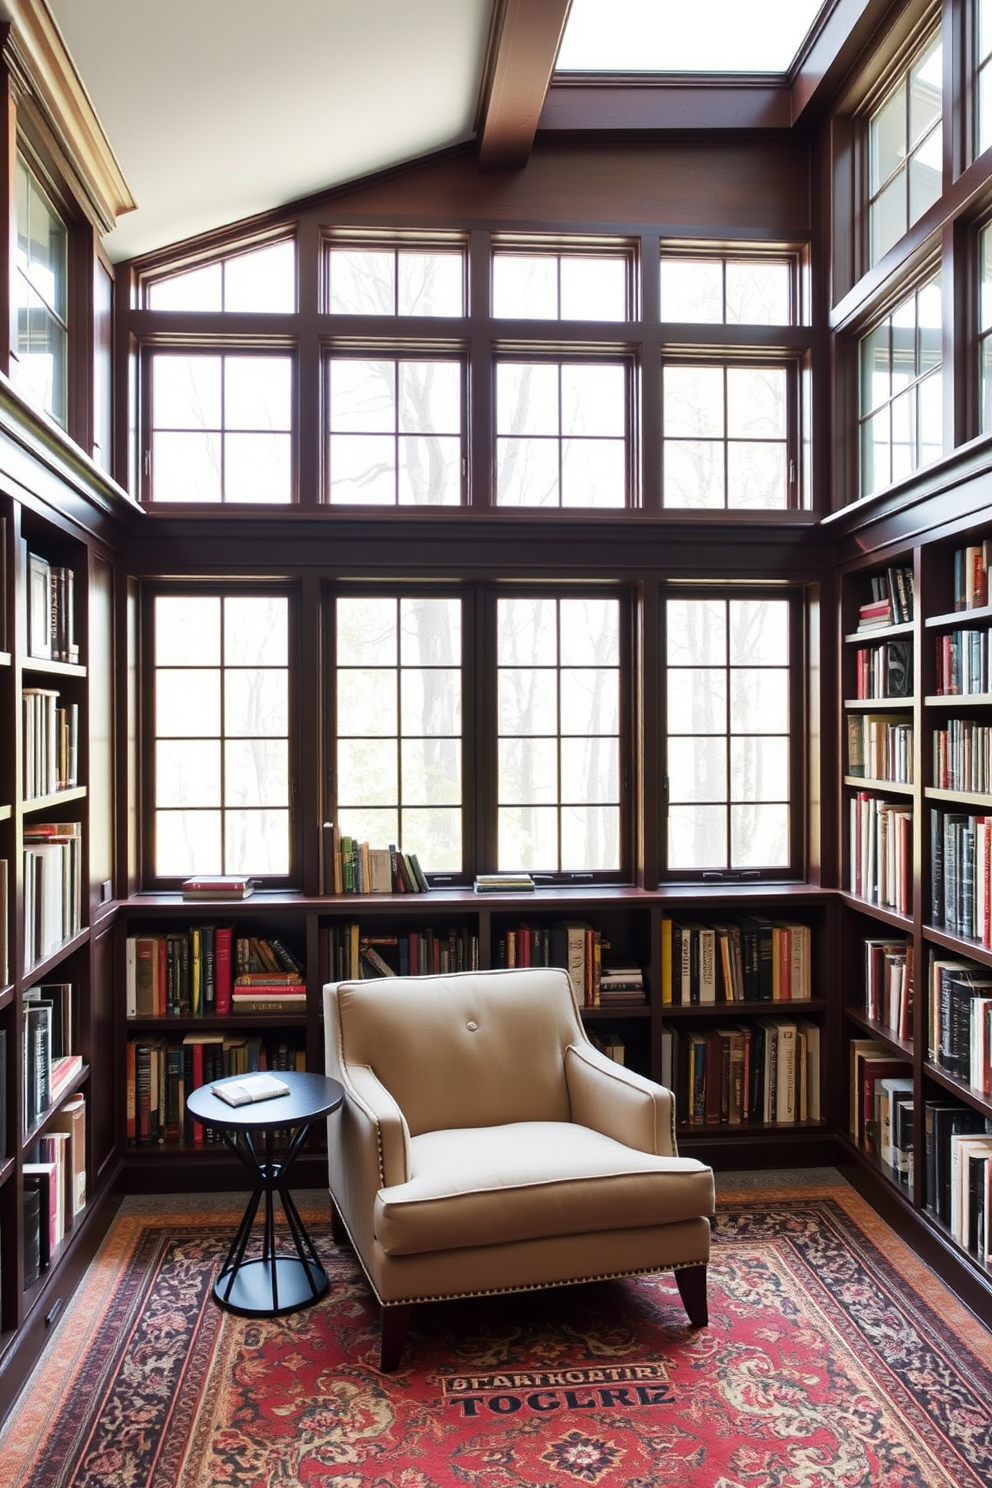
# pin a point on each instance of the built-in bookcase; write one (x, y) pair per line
(56, 1095)
(917, 1009)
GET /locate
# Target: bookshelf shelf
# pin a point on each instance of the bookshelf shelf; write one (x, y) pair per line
(43, 667)
(34, 805)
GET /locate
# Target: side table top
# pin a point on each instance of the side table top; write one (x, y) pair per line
(310, 1096)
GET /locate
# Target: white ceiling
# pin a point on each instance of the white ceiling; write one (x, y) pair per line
(219, 109)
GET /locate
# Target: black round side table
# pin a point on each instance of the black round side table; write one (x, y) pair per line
(269, 1285)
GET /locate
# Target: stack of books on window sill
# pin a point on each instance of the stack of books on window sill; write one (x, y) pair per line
(357, 868)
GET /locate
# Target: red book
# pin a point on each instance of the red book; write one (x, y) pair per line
(223, 936)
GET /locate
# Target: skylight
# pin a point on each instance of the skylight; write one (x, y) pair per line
(676, 36)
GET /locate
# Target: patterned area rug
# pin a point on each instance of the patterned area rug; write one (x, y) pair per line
(833, 1357)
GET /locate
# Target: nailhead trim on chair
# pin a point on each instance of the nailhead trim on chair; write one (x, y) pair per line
(534, 1286)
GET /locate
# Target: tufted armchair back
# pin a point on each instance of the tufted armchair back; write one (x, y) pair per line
(479, 1050)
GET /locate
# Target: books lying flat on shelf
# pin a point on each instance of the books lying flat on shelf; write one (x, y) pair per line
(504, 883)
(250, 1089)
(223, 886)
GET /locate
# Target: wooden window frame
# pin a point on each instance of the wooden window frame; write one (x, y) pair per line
(239, 588)
(795, 870)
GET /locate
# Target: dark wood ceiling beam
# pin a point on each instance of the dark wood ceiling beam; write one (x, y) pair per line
(523, 47)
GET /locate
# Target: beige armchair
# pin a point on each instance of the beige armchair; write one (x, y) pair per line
(484, 1145)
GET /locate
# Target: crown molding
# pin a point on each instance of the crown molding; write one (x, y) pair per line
(39, 55)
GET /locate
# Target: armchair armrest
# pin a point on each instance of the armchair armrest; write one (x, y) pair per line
(380, 1122)
(618, 1102)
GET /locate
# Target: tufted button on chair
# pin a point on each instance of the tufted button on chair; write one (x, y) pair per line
(484, 1145)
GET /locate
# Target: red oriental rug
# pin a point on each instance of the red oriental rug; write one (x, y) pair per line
(833, 1357)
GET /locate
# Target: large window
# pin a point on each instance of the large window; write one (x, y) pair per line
(220, 735)
(739, 289)
(562, 433)
(221, 426)
(901, 391)
(985, 327)
(726, 437)
(558, 721)
(39, 359)
(397, 736)
(983, 74)
(395, 280)
(547, 285)
(730, 719)
(254, 280)
(905, 150)
(395, 431)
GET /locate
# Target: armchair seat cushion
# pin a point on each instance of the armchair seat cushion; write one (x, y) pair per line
(529, 1180)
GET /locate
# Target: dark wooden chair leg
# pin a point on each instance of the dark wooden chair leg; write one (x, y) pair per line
(393, 1326)
(691, 1282)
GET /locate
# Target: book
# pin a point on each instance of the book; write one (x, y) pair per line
(250, 1088)
(222, 886)
(504, 883)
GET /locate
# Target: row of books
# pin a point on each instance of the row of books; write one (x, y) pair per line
(351, 953)
(161, 1070)
(880, 747)
(889, 984)
(51, 611)
(962, 662)
(880, 1081)
(580, 949)
(49, 1060)
(54, 1186)
(891, 600)
(881, 840)
(958, 1146)
(52, 886)
(961, 874)
(357, 868)
(51, 743)
(884, 670)
(207, 971)
(971, 575)
(766, 1072)
(959, 1022)
(962, 756)
(738, 960)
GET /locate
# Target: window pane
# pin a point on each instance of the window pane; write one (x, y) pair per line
(692, 290)
(696, 632)
(589, 632)
(889, 218)
(434, 835)
(697, 837)
(760, 836)
(362, 281)
(528, 770)
(367, 700)
(255, 773)
(757, 476)
(693, 401)
(527, 472)
(590, 770)
(528, 837)
(430, 283)
(366, 632)
(925, 85)
(758, 293)
(593, 473)
(187, 702)
(363, 396)
(187, 630)
(592, 400)
(528, 631)
(262, 281)
(887, 138)
(363, 469)
(431, 772)
(431, 701)
(187, 772)
(187, 842)
(759, 701)
(697, 768)
(759, 769)
(258, 392)
(430, 397)
(525, 286)
(756, 402)
(196, 289)
(759, 632)
(589, 839)
(694, 474)
(256, 842)
(258, 468)
(430, 471)
(925, 169)
(593, 288)
(527, 398)
(256, 629)
(256, 701)
(430, 631)
(697, 701)
(526, 701)
(368, 772)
